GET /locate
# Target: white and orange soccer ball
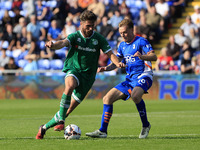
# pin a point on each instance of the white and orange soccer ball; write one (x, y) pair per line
(72, 132)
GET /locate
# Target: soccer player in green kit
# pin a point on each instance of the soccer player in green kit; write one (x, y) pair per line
(80, 67)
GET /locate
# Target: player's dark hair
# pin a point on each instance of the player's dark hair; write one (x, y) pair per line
(88, 16)
(126, 22)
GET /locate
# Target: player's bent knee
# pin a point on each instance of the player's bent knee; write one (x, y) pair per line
(107, 100)
(136, 99)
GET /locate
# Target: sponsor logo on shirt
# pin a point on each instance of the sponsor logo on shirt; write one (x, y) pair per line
(129, 59)
(86, 49)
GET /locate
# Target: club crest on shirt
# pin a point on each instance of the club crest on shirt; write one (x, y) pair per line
(79, 39)
(148, 45)
(94, 42)
(133, 46)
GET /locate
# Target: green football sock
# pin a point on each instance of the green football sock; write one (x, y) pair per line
(61, 114)
(64, 105)
(53, 121)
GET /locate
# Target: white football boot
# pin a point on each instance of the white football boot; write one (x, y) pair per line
(145, 131)
(97, 134)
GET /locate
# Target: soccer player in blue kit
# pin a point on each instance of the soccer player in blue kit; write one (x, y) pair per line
(137, 53)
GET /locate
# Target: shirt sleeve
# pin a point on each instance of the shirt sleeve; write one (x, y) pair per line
(119, 51)
(104, 45)
(145, 45)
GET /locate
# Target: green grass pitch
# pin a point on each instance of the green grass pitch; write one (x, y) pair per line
(175, 125)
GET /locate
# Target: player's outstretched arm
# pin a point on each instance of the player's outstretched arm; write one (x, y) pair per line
(58, 44)
(149, 57)
(115, 60)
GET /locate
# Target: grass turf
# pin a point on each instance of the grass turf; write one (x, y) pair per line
(175, 125)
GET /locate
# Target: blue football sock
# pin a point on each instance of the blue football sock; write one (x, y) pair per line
(107, 113)
(142, 111)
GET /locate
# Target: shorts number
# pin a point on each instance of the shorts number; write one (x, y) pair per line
(142, 81)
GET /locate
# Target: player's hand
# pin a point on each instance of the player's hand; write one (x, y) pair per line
(49, 44)
(138, 54)
(101, 69)
(121, 65)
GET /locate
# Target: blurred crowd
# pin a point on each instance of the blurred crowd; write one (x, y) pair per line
(25, 26)
(182, 52)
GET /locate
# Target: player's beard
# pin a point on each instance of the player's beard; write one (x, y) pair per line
(87, 33)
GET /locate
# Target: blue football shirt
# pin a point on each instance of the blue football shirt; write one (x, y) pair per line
(135, 66)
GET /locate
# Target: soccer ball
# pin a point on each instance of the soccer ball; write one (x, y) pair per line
(72, 131)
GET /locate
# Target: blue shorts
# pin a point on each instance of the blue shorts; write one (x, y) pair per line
(127, 86)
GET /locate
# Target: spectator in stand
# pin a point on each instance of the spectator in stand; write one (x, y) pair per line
(38, 32)
(115, 20)
(196, 16)
(165, 62)
(31, 65)
(145, 30)
(18, 28)
(163, 9)
(74, 11)
(68, 28)
(10, 37)
(84, 3)
(179, 6)
(186, 26)
(194, 40)
(41, 11)
(142, 12)
(197, 64)
(186, 47)
(17, 3)
(180, 38)
(98, 9)
(171, 9)
(124, 10)
(54, 32)
(29, 47)
(6, 19)
(15, 19)
(3, 59)
(106, 29)
(154, 20)
(186, 63)
(47, 53)
(57, 12)
(11, 65)
(114, 6)
(28, 8)
(173, 48)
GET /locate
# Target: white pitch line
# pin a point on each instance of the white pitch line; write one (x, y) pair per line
(155, 135)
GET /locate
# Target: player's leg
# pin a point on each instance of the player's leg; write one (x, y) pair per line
(140, 104)
(70, 85)
(73, 105)
(77, 97)
(108, 100)
(59, 117)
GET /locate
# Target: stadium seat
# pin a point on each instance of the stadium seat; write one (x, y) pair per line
(22, 63)
(45, 24)
(51, 3)
(41, 44)
(9, 53)
(61, 53)
(113, 44)
(5, 44)
(43, 64)
(16, 53)
(56, 64)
